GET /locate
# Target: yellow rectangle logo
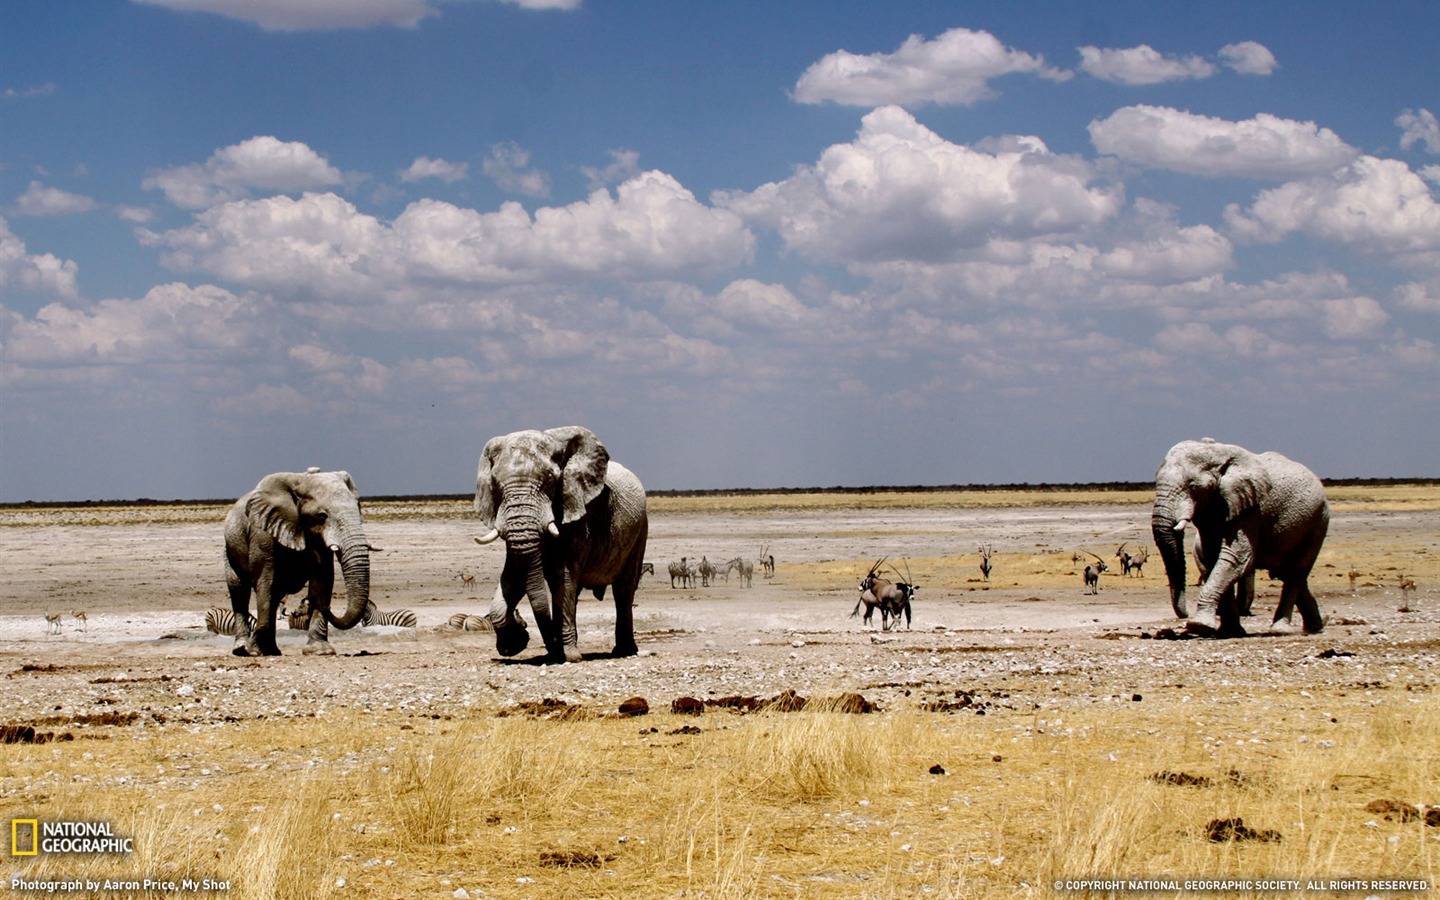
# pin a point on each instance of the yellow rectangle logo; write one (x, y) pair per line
(20, 829)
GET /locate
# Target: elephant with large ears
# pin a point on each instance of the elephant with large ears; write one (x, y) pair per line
(1252, 511)
(284, 536)
(571, 518)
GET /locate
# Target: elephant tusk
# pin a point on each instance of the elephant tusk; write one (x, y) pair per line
(374, 549)
(552, 530)
(334, 548)
(488, 536)
(1180, 525)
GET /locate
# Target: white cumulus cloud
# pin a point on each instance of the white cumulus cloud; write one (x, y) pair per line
(651, 227)
(1141, 65)
(953, 69)
(1379, 205)
(508, 165)
(901, 192)
(1263, 147)
(1249, 58)
(1419, 127)
(42, 273)
(425, 167)
(39, 200)
(310, 15)
(262, 163)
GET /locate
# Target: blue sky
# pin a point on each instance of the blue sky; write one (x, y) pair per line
(748, 244)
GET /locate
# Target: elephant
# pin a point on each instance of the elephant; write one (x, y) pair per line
(571, 518)
(1252, 511)
(283, 537)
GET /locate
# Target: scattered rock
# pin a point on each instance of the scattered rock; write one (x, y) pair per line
(785, 701)
(685, 729)
(744, 704)
(686, 706)
(937, 769)
(1221, 830)
(851, 703)
(548, 708)
(1332, 653)
(1181, 779)
(1394, 810)
(571, 859)
(26, 734)
(635, 706)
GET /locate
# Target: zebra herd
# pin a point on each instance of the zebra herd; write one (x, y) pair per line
(687, 573)
(226, 622)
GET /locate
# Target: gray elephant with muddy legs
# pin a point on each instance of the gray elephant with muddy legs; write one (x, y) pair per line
(284, 536)
(571, 519)
(1252, 511)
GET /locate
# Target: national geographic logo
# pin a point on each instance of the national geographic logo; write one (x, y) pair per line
(31, 837)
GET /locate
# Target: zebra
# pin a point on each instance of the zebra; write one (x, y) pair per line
(467, 622)
(224, 621)
(400, 618)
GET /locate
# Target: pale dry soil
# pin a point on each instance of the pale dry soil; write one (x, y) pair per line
(146, 581)
(146, 577)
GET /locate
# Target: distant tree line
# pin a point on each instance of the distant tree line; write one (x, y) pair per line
(1041, 487)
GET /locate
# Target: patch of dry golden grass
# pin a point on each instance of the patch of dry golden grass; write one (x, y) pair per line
(817, 803)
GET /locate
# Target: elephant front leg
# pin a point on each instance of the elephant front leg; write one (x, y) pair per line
(566, 594)
(625, 620)
(1216, 610)
(322, 586)
(240, 605)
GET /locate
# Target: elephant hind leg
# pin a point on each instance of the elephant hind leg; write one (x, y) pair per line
(1296, 592)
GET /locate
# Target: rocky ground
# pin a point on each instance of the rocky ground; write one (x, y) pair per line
(1030, 635)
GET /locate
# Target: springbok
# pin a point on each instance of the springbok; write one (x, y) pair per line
(1407, 590)
(892, 597)
(467, 580)
(83, 619)
(52, 623)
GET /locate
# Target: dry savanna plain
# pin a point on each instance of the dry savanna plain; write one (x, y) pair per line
(1022, 738)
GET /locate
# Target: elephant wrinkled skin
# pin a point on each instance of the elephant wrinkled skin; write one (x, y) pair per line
(571, 519)
(284, 536)
(1252, 511)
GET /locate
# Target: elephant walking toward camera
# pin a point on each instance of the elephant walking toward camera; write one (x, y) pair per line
(571, 519)
(1252, 511)
(285, 536)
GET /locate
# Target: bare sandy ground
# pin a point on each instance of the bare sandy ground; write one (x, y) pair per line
(145, 580)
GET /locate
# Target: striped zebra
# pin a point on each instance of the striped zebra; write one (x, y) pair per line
(225, 621)
(400, 618)
(466, 622)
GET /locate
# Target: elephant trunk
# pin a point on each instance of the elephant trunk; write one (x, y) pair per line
(1169, 534)
(354, 550)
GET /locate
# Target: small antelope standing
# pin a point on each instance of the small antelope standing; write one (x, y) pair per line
(52, 623)
(1352, 575)
(467, 580)
(893, 598)
(1407, 590)
(1130, 560)
(81, 618)
(986, 567)
(1092, 574)
(767, 562)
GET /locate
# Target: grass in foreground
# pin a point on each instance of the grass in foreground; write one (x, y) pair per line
(814, 803)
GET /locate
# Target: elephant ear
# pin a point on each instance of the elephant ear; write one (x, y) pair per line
(1243, 482)
(274, 505)
(485, 485)
(583, 461)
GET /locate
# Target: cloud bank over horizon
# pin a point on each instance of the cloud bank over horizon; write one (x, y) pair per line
(916, 302)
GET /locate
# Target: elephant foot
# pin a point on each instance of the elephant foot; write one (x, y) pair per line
(1282, 626)
(318, 648)
(625, 650)
(242, 650)
(572, 654)
(1205, 624)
